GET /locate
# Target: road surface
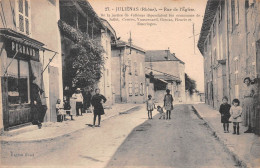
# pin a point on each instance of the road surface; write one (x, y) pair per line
(128, 140)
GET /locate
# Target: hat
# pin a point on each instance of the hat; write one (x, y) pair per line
(168, 90)
(78, 89)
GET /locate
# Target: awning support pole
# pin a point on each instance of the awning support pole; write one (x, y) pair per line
(49, 63)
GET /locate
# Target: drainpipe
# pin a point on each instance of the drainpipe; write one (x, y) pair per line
(228, 55)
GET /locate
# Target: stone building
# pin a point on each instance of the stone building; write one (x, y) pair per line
(30, 46)
(108, 37)
(128, 77)
(229, 42)
(167, 67)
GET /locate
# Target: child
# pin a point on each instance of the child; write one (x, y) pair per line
(236, 113)
(160, 110)
(225, 115)
(59, 111)
(150, 105)
(67, 108)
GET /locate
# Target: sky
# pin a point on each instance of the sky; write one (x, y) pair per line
(175, 35)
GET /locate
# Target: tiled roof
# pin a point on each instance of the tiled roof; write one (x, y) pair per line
(210, 12)
(160, 55)
(120, 43)
(161, 75)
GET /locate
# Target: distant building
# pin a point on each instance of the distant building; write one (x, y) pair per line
(30, 46)
(167, 67)
(128, 77)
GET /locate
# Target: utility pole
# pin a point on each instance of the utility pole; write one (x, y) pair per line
(130, 42)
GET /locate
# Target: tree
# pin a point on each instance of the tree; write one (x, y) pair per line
(85, 62)
(190, 84)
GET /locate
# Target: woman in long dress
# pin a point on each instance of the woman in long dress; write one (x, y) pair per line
(168, 104)
(248, 106)
(97, 101)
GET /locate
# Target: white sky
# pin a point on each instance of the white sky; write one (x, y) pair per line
(174, 35)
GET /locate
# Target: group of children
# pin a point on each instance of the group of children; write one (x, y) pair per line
(234, 112)
(150, 105)
(62, 109)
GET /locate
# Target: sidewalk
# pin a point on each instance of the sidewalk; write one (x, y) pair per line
(52, 130)
(245, 148)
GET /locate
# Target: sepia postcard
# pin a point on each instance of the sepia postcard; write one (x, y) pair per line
(130, 83)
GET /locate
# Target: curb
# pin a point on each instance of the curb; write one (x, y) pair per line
(240, 162)
(67, 134)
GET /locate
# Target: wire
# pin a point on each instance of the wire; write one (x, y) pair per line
(3, 14)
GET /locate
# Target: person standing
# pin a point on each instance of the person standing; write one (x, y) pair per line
(36, 103)
(87, 100)
(150, 106)
(97, 101)
(79, 101)
(225, 115)
(168, 104)
(248, 106)
(236, 113)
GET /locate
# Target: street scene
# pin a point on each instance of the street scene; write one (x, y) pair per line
(105, 83)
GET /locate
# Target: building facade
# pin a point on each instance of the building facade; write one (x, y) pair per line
(128, 77)
(166, 66)
(29, 48)
(229, 42)
(108, 37)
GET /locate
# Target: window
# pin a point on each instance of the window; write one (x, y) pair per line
(23, 16)
(136, 89)
(214, 28)
(141, 89)
(141, 68)
(135, 69)
(219, 14)
(130, 89)
(237, 91)
(235, 13)
(18, 82)
(236, 65)
(220, 48)
(130, 67)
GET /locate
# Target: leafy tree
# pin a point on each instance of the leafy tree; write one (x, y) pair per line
(190, 84)
(85, 62)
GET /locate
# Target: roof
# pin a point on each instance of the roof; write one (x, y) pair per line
(109, 27)
(209, 15)
(160, 55)
(161, 75)
(121, 43)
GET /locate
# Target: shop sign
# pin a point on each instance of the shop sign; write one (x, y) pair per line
(24, 51)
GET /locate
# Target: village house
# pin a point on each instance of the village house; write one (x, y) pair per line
(29, 47)
(128, 77)
(79, 15)
(229, 42)
(108, 37)
(169, 72)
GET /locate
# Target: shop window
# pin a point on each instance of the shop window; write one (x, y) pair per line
(18, 82)
(23, 16)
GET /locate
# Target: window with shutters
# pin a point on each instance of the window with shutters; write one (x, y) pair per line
(141, 89)
(23, 16)
(130, 67)
(135, 69)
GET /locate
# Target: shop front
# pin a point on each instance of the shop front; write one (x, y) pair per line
(20, 64)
